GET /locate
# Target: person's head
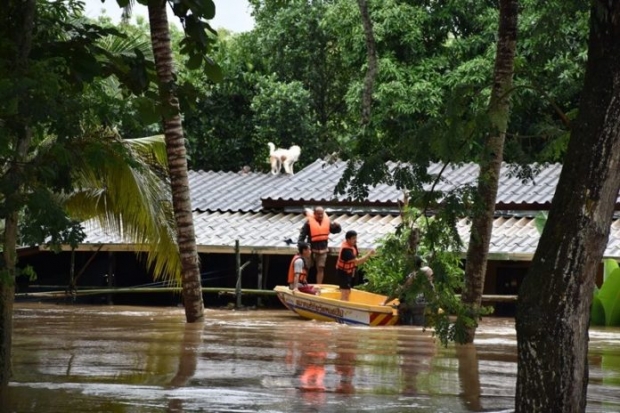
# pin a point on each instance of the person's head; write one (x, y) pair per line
(318, 213)
(351, 237)
(304, 249)
(417, 262)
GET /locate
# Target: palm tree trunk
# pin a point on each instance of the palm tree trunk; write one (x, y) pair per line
(553, 309)
(177, 164)
(491, 161)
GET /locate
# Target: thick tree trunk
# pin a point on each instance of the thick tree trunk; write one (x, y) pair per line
(17, 24)
(491, 161)
(371, 53)
(177, 164)
(554, 301)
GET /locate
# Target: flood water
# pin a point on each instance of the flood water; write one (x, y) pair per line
(139, 359)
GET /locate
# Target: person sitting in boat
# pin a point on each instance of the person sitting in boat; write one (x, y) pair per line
(298, 272)
(348, 260)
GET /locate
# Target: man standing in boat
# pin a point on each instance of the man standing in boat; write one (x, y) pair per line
(347, 263)
(298, 273)
(316, 230)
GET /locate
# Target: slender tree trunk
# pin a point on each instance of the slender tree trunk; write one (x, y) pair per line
(7, 294)
(177, 164)
(553, 309)
(17, 23)
(491, 161)
(371, 53)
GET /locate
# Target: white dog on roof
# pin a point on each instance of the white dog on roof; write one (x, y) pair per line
(281, 157)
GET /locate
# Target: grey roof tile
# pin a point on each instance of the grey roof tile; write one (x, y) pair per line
(228, 191)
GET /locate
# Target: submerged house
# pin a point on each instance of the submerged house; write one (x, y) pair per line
(263, 213)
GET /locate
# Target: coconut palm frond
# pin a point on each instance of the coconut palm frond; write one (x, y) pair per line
(128, 45)
(151, 149)
(130, 197)
(123, 46)
(42, 147)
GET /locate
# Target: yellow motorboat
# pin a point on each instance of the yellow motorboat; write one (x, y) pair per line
(363, 308)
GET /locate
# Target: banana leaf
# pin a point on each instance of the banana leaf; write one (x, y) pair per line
(609, 296)
(597, 315)
(540, 220)
(609, 266)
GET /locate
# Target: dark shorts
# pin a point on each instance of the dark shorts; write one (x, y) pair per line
(345, 281)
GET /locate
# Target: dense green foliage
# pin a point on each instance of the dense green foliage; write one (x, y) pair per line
(71, 88)
(430, 96)
(440, 249)
(431, 93)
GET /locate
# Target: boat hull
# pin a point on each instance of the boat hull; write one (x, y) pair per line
(363, 308)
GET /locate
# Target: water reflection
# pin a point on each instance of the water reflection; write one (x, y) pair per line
(135, 360)
(344, 364)
(311, 365)
(469, 377)
(416, 353)
(188, 361)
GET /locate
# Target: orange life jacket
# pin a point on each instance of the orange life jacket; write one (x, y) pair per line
(346, 266)
(291, 271)
(318, 232)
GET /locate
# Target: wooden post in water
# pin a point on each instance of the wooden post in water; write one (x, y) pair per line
(238, 271)
(111, 271)
(72, 288)
(259, 302)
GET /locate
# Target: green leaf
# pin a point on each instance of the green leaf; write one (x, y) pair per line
(122, 3)
(609, 265)
(213, 71)
(201, 8)
(147, 110)
(597, 315)
(540, 220)
(194, 61)
(609, 296)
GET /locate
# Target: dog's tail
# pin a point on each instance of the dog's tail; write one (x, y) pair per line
(272, 148)
(295, 151)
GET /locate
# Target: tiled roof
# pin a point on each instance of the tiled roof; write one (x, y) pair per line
(514, 238)
(228, 207)
(229, 191)
(513, 191)
(315, 184)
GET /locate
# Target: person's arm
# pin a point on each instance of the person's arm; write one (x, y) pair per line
(304, 232)
(364, 258)
(296, 282)
(400, 289)
(428, 272)
(298, 267)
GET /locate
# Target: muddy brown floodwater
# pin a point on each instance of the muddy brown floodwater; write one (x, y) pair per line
(138, 359)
